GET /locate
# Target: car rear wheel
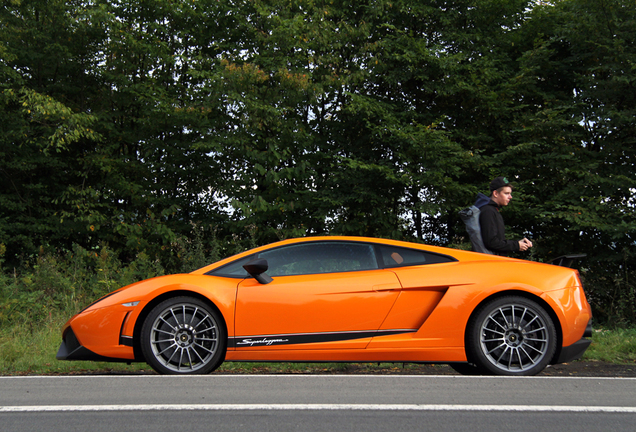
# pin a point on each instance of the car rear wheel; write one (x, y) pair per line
(184, 335)
(511, 336)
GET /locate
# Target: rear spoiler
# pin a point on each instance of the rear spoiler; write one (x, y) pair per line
(566, 260)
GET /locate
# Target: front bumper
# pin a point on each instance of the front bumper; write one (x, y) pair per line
(70, 349)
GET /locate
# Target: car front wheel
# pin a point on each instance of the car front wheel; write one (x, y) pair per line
(184, 335)
(511, 336)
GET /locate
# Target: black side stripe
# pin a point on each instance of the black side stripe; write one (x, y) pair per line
(306, 338)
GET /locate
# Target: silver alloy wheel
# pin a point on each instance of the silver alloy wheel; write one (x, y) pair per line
(184, 338)
(514, 338)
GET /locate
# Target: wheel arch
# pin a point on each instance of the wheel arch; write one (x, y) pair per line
(154, 302)
(541, 302)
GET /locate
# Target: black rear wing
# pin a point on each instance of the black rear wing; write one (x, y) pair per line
(567, 260)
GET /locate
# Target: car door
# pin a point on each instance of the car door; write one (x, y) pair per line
(330, 293)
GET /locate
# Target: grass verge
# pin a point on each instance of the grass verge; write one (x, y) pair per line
(31, 351)
(613, 346)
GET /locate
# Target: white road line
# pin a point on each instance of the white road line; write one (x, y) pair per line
(315, 376)
(316, 407)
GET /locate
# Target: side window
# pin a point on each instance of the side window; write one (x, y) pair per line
(400, 257)
(331, 257)
(320, 257)
(233, 269)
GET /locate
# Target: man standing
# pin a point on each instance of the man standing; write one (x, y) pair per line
(493, 231)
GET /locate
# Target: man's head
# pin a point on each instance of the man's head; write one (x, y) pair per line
(500, 191)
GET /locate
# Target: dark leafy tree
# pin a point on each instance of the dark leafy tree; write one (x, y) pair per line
(193, 129)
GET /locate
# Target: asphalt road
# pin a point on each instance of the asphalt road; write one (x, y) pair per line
(316, 403)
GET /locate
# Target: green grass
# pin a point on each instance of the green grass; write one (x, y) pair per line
(613, 346)
(31, 351)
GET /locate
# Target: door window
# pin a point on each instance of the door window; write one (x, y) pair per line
(320, 257)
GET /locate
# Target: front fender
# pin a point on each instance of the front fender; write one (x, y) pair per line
(106, 328)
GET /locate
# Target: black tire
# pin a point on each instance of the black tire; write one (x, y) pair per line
(511, 336)
(183, 336)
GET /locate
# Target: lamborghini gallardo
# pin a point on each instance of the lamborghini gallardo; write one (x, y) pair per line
(343, 299)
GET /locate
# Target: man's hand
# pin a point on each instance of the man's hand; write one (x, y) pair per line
(524, 244)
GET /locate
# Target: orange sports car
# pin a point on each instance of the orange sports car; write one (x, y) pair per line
(343, 299)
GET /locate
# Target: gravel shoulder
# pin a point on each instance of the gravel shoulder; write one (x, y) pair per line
(577, 368)
(580, 368)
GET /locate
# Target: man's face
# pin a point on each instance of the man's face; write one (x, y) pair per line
(503, 197)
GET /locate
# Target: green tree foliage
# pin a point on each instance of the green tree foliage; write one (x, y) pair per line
(151, 127)
(49, 124)
(574, 142)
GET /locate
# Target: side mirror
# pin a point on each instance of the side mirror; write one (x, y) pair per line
(257, 268)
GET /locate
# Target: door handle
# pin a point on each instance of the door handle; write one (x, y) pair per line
(386, 287)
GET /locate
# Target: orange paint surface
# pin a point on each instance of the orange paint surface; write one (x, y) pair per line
(416, 313)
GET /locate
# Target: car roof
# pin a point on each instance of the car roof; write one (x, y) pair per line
(458, 254)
